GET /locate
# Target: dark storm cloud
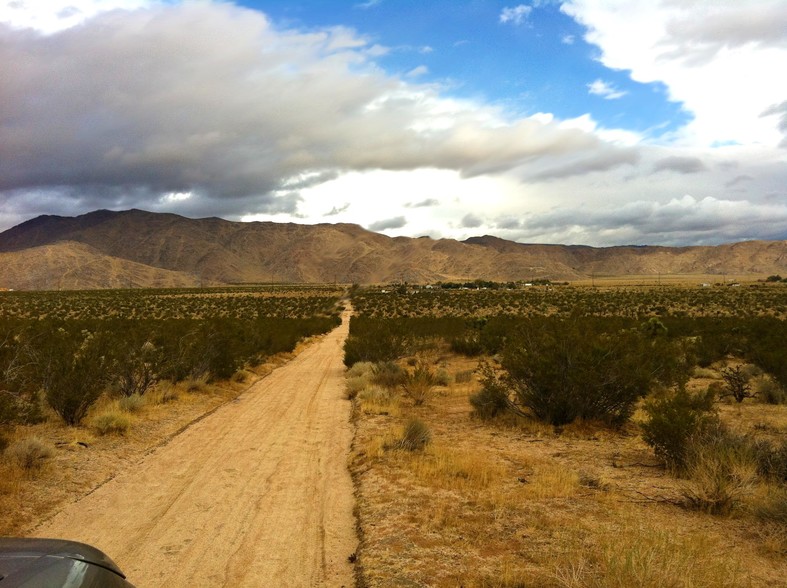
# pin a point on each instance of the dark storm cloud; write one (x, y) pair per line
(471, 221)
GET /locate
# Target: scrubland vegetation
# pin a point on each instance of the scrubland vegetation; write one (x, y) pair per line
(87, 365)
(571, 437)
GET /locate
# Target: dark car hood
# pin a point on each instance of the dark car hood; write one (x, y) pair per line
(24, 559)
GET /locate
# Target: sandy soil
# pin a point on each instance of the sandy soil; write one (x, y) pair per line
(256, 494)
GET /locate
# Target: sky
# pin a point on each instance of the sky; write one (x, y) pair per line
(595, 122)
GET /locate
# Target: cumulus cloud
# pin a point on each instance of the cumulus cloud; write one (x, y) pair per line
(698, 35)
(665, 41)
(211, 99)
(605, 90)
(396, 222)
(680, 164)
(515, 15)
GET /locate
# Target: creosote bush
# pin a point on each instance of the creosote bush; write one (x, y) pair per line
(561, 371)
(673, 420)
(388, 374)
(492, 399)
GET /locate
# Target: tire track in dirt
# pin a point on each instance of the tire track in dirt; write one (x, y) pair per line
(256, 494)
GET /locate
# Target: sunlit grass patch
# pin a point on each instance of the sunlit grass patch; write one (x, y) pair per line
(647, 556)
(444, 467)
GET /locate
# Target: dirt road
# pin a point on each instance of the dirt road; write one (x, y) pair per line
(257, 494)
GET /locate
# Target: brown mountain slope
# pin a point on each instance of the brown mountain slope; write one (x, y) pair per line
(214, 250)
(74, 266)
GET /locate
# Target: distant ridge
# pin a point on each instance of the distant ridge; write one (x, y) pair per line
(135, 248)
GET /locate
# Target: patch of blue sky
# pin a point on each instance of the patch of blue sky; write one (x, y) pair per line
(536, 63)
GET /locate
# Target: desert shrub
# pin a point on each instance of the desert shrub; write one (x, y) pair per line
(361, 368)
(492, 399)
(376, 395)
(442, 377)
(673, 420)
(721, 471)
(240, 377)
(468, 344)
(773, 509)
(20, 407)
(70, 368)
(133, 403)
(561, 371)
(134, 370)
(375, 340)
(736, 383)
(388, 374)
(196, 385)
(771, 459)
(415, 437)
(419, 384)
(111, 422)
(768, 391)
(356, 385)
(30, 453)
(464, 376)
(163, 393)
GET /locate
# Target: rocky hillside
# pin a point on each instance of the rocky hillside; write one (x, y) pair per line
(105, 249)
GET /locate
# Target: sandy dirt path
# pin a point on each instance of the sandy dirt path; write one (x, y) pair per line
(257, 494)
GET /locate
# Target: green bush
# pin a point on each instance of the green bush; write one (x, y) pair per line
(375, 340)
(768, 391)
(72, 371)
(673, 421)
(771, 459)
(561, 371)
(388, 374)
(492, 399)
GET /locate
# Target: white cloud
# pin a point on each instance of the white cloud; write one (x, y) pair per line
(49, 16)
(416, 72)
(605, 90)
(722, 60)
(515, 14)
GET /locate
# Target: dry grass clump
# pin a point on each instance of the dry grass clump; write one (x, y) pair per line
(30, 454)
(647, 556)
(111, 421)
(131, 404)
(379, 400)
(512, 502)
(162, 393)
(197, 385)
(444, 467)
(415, 437)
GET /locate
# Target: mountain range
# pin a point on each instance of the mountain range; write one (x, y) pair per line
(134, 248)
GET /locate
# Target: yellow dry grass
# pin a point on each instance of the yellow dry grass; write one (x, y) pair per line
(517, 504)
